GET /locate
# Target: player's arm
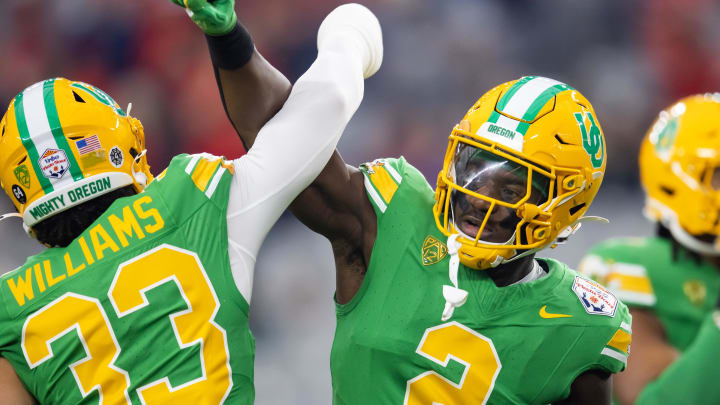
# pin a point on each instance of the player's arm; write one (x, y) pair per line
(335, 205)
(294, 146)
(12, 391)
(257, 90)
(657, 373)
(593, 387)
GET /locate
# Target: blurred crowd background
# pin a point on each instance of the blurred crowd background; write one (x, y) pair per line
(629, 58)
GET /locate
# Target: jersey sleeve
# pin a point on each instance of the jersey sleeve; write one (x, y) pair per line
(383, 178)
(193, 180)
(628, 280)
(614, 355)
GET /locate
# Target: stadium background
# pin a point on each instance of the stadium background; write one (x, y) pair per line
(630, 58)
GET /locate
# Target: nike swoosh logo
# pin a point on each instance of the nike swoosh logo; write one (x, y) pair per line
(545, 314)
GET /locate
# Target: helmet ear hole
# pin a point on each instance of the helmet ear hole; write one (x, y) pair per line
(78, 98)
(667, 190)
(134, 153)
(576, 208)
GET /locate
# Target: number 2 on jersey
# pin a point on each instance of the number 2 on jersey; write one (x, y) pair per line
(471, 349)
(132, 281)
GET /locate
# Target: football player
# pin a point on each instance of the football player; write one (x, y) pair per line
(440, 298)
(143, 296)
(671, 282)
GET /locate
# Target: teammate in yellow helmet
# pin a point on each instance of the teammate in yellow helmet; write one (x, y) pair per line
(144, 296)
(671, 282)
(440, 298)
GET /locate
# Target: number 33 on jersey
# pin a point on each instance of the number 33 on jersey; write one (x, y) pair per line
(142, 307)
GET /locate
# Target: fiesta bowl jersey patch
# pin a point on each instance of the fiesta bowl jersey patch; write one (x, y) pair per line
(390, 336)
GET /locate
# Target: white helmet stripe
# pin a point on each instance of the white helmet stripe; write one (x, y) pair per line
(524, 97)
(39, 128)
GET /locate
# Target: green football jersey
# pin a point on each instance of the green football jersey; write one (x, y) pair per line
(642, 273)
(520, 344)
(139, 309)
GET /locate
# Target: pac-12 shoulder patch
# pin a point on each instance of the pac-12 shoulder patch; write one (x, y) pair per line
(594, 298)
(433, 251)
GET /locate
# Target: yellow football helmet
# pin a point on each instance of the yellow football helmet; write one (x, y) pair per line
(63, 143)
(680, 171)
(521, 169)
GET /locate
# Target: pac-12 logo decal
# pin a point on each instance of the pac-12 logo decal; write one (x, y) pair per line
(54, 163)
(433, 251)
(593, 142)
(595, 299)
(23, 175)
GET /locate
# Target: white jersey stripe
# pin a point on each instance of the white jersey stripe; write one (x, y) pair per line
(395, 175)
(214, 182)
(631, 297)
(615, 355)
(189, 168)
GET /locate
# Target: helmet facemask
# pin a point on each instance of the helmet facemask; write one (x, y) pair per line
(493, 200)
(487, 191)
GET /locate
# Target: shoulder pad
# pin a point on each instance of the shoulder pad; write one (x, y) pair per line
(629, 281)
(205, 170)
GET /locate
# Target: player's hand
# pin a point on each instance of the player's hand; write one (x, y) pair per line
(214, 17)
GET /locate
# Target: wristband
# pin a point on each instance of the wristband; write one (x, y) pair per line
(232, 50)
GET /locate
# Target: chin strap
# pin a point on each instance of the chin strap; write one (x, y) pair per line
(570, 230)
(454, 296)
(10, 215)
(139, 177)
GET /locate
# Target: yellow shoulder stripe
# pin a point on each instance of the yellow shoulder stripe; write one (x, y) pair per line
(383, 182)
(203, 172)
(161, 175)
(620, 341)
(229, 166)
(630, 283)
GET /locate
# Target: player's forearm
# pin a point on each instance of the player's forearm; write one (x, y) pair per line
(252, 90)
(692, 378)
(12, 391)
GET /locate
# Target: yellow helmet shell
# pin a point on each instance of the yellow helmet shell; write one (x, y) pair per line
(552, 130)
(63, 143)
(679, 159)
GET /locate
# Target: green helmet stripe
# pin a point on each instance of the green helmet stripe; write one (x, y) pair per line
(100, 96)
(28, 143)
(502, 103)
(532, 112)
(56, 128)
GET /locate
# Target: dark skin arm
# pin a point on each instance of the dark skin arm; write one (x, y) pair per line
(257, 92)
(593, 387)
(12, 391)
